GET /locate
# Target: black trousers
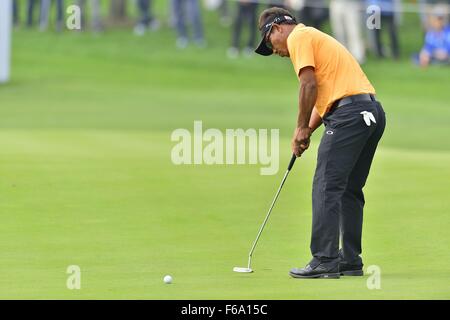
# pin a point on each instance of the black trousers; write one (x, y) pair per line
(344, 158)
(145, 13)
(30, 12)
(314, 16)
(246, 13)
(393, 34)
(15, 12)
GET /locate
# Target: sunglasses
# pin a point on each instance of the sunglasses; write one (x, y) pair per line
(268, 43)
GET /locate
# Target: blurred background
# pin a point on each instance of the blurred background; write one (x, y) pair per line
(198, 22)
(179, 45)
(86, 116)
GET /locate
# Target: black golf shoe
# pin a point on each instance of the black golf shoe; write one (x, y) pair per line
(316, 270)
(346, 269)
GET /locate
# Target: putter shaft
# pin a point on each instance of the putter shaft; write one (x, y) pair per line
(270, 210)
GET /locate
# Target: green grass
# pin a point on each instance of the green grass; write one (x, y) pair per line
(86, 176)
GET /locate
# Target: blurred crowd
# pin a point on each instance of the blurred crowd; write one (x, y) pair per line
(347, 19)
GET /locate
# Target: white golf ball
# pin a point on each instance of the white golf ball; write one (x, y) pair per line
(167, 279)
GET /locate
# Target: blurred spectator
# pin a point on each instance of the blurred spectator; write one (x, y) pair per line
(45, 14)
(31, 4)
(436, 49)
(146, 19)
(425, 7)
(15, 12)
(188, 10)
(387, 19)
(95, 14)
(172, 21)
(246, 13)
(313, 13)
(118, 11)
(225, 17)
(345, 18)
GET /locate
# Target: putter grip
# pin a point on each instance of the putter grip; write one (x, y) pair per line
(291, 164)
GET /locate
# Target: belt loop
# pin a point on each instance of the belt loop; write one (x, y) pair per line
(372, 97)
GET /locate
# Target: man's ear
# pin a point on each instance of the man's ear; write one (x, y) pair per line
(278, 27)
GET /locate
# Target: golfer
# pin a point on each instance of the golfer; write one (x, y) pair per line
(333, 90)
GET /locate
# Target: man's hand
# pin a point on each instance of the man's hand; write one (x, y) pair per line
(424, 59)
(300, 140)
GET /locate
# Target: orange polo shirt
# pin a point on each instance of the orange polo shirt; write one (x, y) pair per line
(338, 74)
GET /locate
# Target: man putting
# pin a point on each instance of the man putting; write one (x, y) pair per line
(333, 90)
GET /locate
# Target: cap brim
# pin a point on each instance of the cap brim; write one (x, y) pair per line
(263, 49)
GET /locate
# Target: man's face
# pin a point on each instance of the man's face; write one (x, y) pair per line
(277, 39)
(437, 23)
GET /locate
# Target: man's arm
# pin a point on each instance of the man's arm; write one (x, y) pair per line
(307, 100)
(307, 96)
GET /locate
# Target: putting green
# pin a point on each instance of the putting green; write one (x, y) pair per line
(86, 176)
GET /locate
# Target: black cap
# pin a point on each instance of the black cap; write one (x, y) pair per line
(263, 49)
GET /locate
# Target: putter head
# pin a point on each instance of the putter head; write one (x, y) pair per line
(242, 270)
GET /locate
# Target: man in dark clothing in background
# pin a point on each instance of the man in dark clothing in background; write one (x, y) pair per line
(246, 14)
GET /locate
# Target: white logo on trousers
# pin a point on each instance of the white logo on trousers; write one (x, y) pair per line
(368, 117)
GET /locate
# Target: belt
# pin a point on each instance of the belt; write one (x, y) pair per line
(352, 99)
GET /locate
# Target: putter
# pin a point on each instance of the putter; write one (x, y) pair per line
(249, 269)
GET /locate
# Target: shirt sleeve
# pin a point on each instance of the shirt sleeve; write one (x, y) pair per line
(428, 46)
(301, 50)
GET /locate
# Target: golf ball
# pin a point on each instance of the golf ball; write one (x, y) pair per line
(167, 279)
